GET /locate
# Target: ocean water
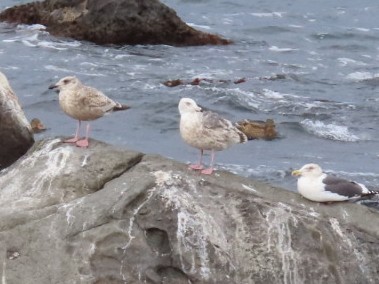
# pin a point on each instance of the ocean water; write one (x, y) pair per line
(326, 108)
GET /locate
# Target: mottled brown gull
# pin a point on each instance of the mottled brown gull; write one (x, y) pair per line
(315, 185)
(206, 130)
(83, 103)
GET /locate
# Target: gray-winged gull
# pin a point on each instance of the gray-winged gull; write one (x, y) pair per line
(315, 185)
(206, 130)
(83, 103)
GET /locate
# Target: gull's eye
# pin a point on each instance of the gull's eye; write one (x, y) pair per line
(66, 81)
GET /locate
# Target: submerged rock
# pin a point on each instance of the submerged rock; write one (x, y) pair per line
(198, 81)
(111, 22)
(16, 135)
(108, 215)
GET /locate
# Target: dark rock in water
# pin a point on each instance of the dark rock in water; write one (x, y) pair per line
(198, 81)
(275, 77)
(257, 129)
(111, 22)
(107, 215)
(173, 83)
(16, 135)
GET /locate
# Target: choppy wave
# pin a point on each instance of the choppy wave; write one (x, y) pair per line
(268, 101)
(329, 131)
(272, 14)
(367, 178)
(362, 76)
(35, 27)
(199, 26)
(281, 49)
(72, 71)
(279, 174)
(348, 61)
(257, 172)
(36, 36)
(355, 174)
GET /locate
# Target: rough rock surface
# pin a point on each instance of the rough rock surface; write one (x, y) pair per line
(107, 215)
(111, 21)
(16, 135)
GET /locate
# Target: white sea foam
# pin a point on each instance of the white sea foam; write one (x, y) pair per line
(281, 49)
(353, 175)
(89, 64)
(361, 76)
(296, 26)
(348, 61)
(35, 27)
(329, 131)
(65, 70)
(361, 29)
(267, 100)
(31, 38)
(272, 14)
(257, 171)
(199, 26)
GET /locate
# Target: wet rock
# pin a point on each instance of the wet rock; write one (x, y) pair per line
(111, 22)
(258, 129)
(16, 135)
(108, 215)
(173, 83)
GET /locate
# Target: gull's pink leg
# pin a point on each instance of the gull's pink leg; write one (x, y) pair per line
(198, 166)
(76, 138)
(210, 169)
(84, 142)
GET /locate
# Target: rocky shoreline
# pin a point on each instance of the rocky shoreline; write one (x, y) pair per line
(110, 215)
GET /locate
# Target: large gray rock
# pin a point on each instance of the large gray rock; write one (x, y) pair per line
(111, 21)
(107, 215)
(16, 135)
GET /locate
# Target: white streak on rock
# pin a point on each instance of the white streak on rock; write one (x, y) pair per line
(350, 240)
(132, 218)
(69, 207)
(279, 220)
(197, 229)
(38, 183)
(56, 164)
(3, 277)
(248, 188)
(84, 163)
(336, 227)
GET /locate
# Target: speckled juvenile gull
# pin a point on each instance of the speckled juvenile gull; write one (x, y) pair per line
(315, 185)
(83, 103)
(206, 130)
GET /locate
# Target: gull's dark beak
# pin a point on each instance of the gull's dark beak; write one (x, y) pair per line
(52, 86)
